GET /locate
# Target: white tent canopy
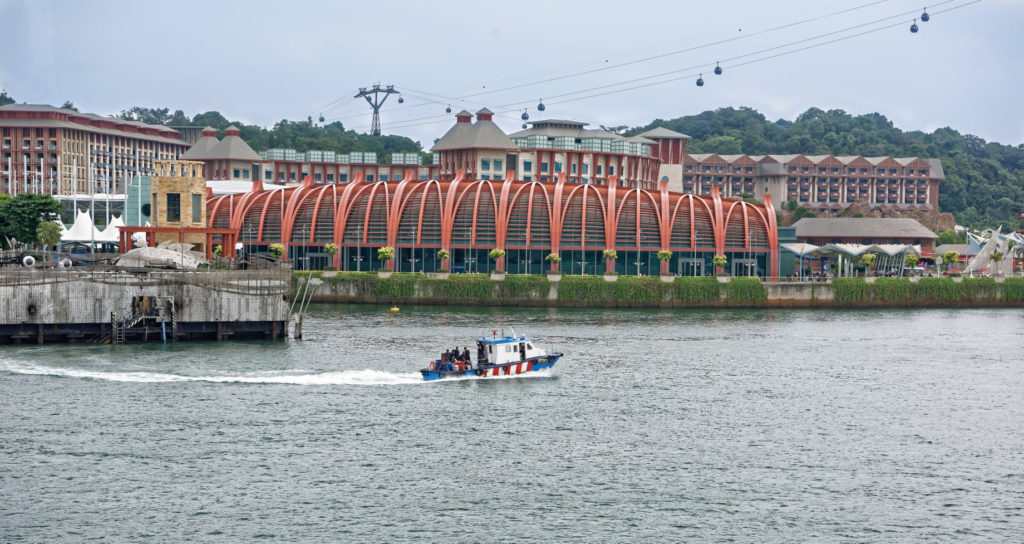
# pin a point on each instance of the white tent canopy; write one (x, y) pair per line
(83, 229)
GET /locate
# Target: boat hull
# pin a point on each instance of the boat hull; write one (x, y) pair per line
(495, 371)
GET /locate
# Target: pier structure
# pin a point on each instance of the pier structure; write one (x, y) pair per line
(118, 305)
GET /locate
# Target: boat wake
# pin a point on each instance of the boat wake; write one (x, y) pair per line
(345, 377)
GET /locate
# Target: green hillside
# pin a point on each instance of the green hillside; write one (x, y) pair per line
(984, 180)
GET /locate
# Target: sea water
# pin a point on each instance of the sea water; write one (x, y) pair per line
(657, 425)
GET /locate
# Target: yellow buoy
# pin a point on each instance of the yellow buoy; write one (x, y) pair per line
(394, 308)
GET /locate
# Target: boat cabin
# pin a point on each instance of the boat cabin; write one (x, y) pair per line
(509, 349)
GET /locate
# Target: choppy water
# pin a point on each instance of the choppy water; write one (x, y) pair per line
(747, 426)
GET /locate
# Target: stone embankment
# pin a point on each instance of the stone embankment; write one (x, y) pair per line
(655, 292)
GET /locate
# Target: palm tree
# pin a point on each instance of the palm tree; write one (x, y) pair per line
(997, 258)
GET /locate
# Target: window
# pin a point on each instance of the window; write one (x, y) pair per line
(572, 168)
(497, 165)
(152, 212)
(485, 164)
(558, 167)
(342, 177)
(527, 178)
(292, 176)
(497, 176)
(369, 177)
(485, 176)
(317, 177)
(268, 174)
(383, 177)
(527, 166)
(330, 177)
(173, 207)
(586, 167)
(197, 207)
(543, 167)
(611, 170)
(238, 173)
(597, 169)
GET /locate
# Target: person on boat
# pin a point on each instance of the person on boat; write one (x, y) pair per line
(481, 356)
(465, 355)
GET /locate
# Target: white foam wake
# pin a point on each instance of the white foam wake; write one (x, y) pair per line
(346, 377)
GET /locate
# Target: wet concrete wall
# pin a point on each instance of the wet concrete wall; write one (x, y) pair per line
(89, 296)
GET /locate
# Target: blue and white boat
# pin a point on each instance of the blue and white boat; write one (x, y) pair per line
(495, 356)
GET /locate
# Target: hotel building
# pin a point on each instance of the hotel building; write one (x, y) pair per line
(69, 154)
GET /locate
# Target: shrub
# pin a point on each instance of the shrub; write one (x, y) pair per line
(745, 290)
(553, 258)
(276, 250)
(385, 253)
(696, 290)
(610, 254)
(719, 260)
(664, 255)
(330, 249)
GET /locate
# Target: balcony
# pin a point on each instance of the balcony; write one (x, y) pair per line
(51, 148)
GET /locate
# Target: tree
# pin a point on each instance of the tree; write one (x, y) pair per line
(385, 255)
(949, 236)
(553, 258)
(218, 250)
(69, 105)
(4, 99)
(610, 254)
(276, 250)
(47, 233)
(950, 258)
(911, 260)
(867, 260)
(801, 213)
(443, 256)
(331, 250)
(150, 116)
(997, 258)
(719, 261)
(20, 216)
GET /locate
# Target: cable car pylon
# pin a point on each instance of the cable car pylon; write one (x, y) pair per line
(376, 102)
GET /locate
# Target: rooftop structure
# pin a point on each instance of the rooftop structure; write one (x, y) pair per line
(866, 230)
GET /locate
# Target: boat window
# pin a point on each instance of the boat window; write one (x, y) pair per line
(529, 346)
(508, 348)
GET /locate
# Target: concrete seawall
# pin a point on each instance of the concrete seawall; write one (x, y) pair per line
(650, 293)
(92, 304)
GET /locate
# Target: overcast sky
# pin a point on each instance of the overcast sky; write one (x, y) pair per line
(260, 62)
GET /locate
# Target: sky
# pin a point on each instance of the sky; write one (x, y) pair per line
(600, 62)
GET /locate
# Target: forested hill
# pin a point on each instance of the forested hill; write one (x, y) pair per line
(984, 180)
(299, 135)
